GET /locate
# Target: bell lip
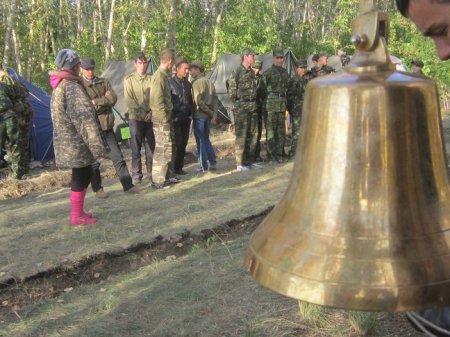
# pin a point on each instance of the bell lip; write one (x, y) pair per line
(376, 301)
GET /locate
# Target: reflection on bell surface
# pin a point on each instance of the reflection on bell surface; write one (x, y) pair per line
(365, 222)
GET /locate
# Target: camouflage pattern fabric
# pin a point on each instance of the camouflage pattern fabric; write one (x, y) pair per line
(242, 88)
(25, 114)
(276, 80)
(262, 116)
(9, 129)
(321, 71)
(296, 94)
(162, 168)
(76, 133)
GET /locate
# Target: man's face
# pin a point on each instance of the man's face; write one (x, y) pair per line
(300, 71)
(182, 70)
(194, 72)
(323, 60)
(141, 66)
(249, 59)
(433, 20)
(278, 61)
(88, 73)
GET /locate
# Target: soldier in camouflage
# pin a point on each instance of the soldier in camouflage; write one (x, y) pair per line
(24, 118)
(161, 109)
(242, 88)
(276, 80)
(22, 113)
(296, 93)
(76, 133)
(321, 68)
(262, 115)
(9, 126)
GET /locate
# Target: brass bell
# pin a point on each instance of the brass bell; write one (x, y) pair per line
(365, 222)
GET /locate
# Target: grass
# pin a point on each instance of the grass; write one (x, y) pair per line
(40, 221)
(207, 293)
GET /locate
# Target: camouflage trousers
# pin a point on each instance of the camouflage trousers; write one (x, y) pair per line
(162, 165)
(276, 134)
(24, 143)
(296, 119)
(9, 130)
(245, 129)
(262, 123)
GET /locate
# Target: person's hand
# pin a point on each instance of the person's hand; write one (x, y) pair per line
(214, 121)
(148, 117)
(108, 93)
(93, 102)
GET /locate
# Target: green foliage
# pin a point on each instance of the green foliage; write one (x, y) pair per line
(44, 26)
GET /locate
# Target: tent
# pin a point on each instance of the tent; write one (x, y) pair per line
(41, 129)
(229, 62)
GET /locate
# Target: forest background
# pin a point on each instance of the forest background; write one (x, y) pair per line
(34, 30)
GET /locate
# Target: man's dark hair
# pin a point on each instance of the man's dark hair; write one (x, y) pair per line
(140, 56)
(403, 5)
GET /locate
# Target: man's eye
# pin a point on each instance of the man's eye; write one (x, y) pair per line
(439, 32)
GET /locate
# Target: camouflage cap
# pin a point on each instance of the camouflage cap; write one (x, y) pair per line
(417, 63)
(278, 53)
(66, 59)
(302, 63)
(197, 64)
(248, 51)
(257, 64)
(87, 63)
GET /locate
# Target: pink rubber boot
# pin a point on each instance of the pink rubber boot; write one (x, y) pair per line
(77, 216)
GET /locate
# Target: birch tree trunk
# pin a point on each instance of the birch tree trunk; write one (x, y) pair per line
(108, 46)
(172, 26)
(216, 30)
(79, 19)
(10, 12)
(144, 29)
(17, 50)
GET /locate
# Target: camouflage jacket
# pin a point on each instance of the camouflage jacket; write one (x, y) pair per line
(6, 101)
(296, 92)
(321, 71)
(19, 94)
(76, 134)
(161, 97)
(276, 81)
(22, 106)
(103, 104)
(242, 88)
(205, 98)
(261, 92)
(137, 95)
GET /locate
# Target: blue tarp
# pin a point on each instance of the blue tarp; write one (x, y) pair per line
(41, 130)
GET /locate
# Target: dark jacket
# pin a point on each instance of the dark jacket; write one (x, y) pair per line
(183, 103)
